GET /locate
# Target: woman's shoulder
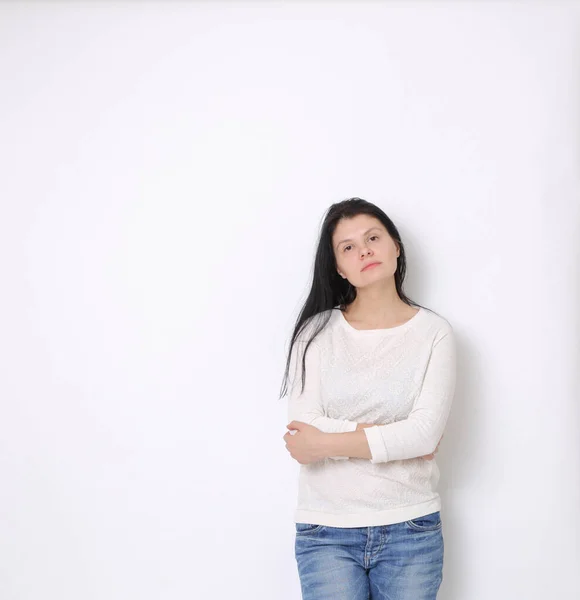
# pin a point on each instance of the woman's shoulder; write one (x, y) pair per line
(311, 324)
(437, 323)
(315, 326)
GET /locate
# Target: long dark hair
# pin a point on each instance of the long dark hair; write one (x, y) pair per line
(328, 288)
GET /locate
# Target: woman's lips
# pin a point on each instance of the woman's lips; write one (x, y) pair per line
(371, 266)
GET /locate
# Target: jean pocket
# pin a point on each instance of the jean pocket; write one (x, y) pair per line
(305, 528)
(431, 522)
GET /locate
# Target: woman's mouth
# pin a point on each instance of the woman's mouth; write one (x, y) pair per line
(371, 266)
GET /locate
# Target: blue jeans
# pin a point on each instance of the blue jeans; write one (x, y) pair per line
(402, 561)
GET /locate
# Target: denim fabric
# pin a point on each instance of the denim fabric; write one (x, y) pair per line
(401, 561)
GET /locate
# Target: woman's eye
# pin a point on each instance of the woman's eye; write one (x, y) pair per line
(372, 236)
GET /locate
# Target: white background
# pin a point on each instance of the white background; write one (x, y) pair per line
(165, 168)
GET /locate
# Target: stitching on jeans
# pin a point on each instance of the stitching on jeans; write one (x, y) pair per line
(422, 527)
(307, 531)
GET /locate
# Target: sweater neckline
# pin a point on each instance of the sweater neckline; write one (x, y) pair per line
(385, 330)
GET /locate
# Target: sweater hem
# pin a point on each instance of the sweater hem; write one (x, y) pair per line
(370, 519)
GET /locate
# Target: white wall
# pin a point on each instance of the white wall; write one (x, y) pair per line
(165, 167)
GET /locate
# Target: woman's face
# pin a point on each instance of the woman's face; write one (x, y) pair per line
(360, 241)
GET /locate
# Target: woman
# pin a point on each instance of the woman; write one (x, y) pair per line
(366, 416)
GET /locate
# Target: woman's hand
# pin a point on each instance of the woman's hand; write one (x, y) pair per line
(432, 456)
(307, 444)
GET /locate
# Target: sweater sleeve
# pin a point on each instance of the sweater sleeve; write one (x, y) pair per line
(307, 406)
(421, 431)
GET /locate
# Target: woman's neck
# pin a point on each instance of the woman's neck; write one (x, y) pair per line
(379, 310)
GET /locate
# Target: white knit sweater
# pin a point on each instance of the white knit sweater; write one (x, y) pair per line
(402, 379)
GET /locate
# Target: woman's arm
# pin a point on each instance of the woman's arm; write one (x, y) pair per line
(419, 434)
(307, 406)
